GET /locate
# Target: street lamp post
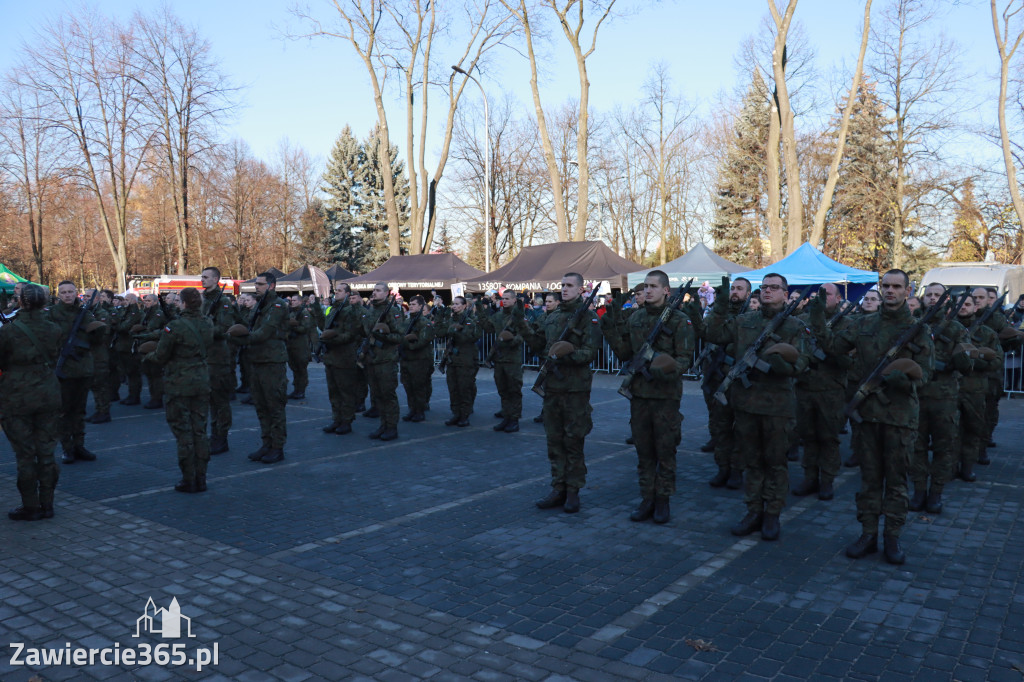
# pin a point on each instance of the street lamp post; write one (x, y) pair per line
(487, 170)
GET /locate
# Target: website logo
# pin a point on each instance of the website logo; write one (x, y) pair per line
(164, 622)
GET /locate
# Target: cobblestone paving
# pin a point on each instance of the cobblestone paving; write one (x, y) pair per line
(424, 558)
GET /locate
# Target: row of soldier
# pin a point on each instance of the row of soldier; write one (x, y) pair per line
(811, 362)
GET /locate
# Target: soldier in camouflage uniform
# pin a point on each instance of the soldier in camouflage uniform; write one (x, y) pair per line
(153, 322)
(117, 313)
(300, 323)
(383, 336)
(131, 364)
(223, 315)
(417, 355)
(182, 352)
(551, 301)
(341, 336)
(101, 357)
(820, 394)
(986, 298)
(265, 352)
(507, 356)
(984, 346)
(567, 410)
(939, 416)
(722, 418)
(655, 418)
(890, 413)
(360, 386)
(763, 410)
(30, 402)
(462, 332)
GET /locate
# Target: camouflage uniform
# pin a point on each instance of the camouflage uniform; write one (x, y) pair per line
(418, 364)
(508, 362)
(155, 320)
(30, 401)
(381, 361)
(462, 332)
(721, 418)
(182, 353)
(764, 410)
(655, 418)
(101, 360)
(219, 310)
(974, 389)
(267, 358)
(890, 415)
(74, 385)
(300, 323)
(130, 362)
(340, 361)
(996, 376)
(567, 410)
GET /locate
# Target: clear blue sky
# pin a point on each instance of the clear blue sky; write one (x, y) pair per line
(308, 91)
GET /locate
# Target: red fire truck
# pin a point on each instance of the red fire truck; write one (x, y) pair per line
(157, 284)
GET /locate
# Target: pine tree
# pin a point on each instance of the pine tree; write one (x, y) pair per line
(369, 197)
(968, 241)
(739, 222)
(315, 238)
(859, 229)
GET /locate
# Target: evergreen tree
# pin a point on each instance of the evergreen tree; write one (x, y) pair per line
(369, 197)
(968, 242)
(739, 222)
(859, 229)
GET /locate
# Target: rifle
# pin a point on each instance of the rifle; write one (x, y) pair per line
(712, 347)
(213, 306)
(843, 312)
(365, 350)
(640, 363)
(873, 381)
(489, 360)
(252, 322)
(449, 346)
(549, 362)
(750, 359)
(321, 348)
(408, 330)
(71, 346)
(983, 318)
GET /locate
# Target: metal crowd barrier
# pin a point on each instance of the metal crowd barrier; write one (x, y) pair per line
(1013, 376)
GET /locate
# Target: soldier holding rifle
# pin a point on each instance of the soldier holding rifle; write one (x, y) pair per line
(460, 362)
(382, 328)
(223, 315)
(657, 343)
(340, 340)
(507, 358)
(417, 362)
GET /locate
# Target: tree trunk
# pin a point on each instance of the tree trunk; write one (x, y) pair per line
(1004, 66)
(774, 190)
(795, 206)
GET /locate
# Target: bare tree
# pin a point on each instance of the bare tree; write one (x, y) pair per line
(784, 112)
(1007, 46)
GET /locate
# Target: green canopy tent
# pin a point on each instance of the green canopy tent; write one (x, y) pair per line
(8, 279)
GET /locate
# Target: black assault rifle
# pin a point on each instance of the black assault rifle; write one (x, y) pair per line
(365, 351)
(710, 348)
(449, 345)
(74, 343)
(321, 347)
(750, 359)
(873, 382)
(640, 363)
(489, 360)
(549, 362)
(983, 318)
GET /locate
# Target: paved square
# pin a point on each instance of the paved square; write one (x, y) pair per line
(424, 558)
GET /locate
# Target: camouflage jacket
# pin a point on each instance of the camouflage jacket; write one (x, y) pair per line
(573, 375)
(128, 317)
(383, 346)
(825, 371)
(422, 349)
(675, 339)
(266, 342)
(949, 364)
(300, 323)
(222, 314)
(461, 332)
(182, 352)
(510, 351)
(27, 381)
(154, 320)
(103, 312)
(346, 319)
(716, 364)
(78, 364)
(977, 381)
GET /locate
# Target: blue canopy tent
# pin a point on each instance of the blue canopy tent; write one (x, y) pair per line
(807, 265)
(700, 262)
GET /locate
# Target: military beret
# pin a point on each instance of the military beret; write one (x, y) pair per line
(560, 349)
(788, 352)
(905, 365)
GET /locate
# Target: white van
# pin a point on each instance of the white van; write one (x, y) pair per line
(1008, 278)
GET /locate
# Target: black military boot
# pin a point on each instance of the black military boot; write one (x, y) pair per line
(47, 509)
(539, 419)
(372, 413)
(462, 423)
(709, 446)
(69, 457)
(501, 425)
(644, 511)
(453, 421)
(408, 417)
(917, 500)
(186, 486)
(720, 479)
(258, 455)
(934, 502)
(750, 523)
(499, 415)
(99, 418)
(893, 553)
(556, 498)
(297, 395)
(735, 481)
(330, 428)
(131, 401)
(983, 458)
(273, 456)
(512, 426)
(806, 487)
(771, 528)
(377, 433)
(389, 434)
(630, 441)
(967, 472)
(343, 429)
(25, 514)
(853, 461)
(572, 501)
(661, 509)
(218, 446)
(84, 455)
(826, 491)
(418, 417)
(864, 545)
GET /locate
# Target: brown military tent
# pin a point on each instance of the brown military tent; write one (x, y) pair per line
(422, 272)
(539, 268)
(249, 285)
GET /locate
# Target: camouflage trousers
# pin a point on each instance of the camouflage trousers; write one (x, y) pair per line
(155, 378)
(508, 380)
(186, 415)
(222, 386)
(33, 438)
(567, 422)
(939, 426)
(763, 441)
(114, 376)
(342, 387)
(462, 389)
(884, 460)
(721, 422)
(819, 421)
(268, 386)
(74, 394)
(298, 361)
(383, 382)
(973, 429)
(131, 365)
(656, 426)
(416, 380)
(101, 386)
(995, 393)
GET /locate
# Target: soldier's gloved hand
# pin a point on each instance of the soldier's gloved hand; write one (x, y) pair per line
(898, 381)
(663, 368)
(518, 312)
(693, 310)
(455, 328)
(722, 291)
(781, 366)
(506, 336)
(293, 322)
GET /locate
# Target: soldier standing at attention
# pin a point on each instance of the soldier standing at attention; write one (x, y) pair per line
(361, 387)
(30, 402)
(983, 344)
(462, 332)
(300, 322)
(567, 409)
(77, 371)
(939, 416)
(655, 418)
(129, 321)
(182, 352)
(381, 359)
(342, 333)
(820, 395)
(218, 309)
(153, 323)
(101, 357)
(765, 410)
(890, 414)
(264, 351)
(508, 359)
(417, 355)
